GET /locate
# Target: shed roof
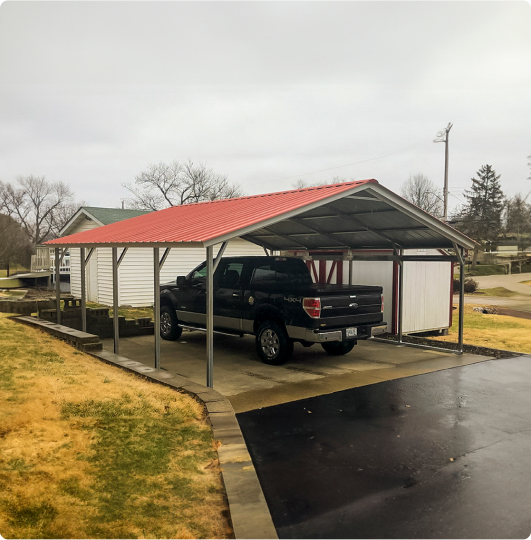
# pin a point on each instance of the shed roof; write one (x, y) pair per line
(350, 215)
(102, 216)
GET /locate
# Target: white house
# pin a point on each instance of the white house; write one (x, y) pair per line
(135, 273)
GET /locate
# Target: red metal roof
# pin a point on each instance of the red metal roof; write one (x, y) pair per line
(203, 222)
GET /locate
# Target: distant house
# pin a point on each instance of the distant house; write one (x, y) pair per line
(135, 274)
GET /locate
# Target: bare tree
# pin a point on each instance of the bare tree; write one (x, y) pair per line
(173, 184)
(38, 205)
(517, 215)
(301, 184)
(14, 244)
(422, 192)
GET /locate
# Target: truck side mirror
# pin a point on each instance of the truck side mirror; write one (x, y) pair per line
(181, 281)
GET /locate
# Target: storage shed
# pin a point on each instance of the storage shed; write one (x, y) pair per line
(428, 287)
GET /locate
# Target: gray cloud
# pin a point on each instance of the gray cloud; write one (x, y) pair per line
(91, 92)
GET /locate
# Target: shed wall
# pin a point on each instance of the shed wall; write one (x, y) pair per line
(427, 294)
(135, 273)
(75, 265)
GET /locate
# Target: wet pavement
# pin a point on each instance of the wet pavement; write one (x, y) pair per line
(439, 455)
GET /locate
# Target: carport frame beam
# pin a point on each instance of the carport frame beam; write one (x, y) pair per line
(460, 255)
(58, 284)
(84, 261)
(210, 316)
(400, 293)
(115, 264)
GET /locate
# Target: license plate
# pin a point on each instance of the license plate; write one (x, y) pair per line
(351, 332)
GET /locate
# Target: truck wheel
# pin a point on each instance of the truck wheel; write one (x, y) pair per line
(169, 328)
(273, 344)
(338, 348)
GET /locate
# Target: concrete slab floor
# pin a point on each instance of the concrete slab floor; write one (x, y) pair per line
(249, 384)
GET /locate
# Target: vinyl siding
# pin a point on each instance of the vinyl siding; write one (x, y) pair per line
(376, 273)
(426, 294)
(135, 273)
(75, 260)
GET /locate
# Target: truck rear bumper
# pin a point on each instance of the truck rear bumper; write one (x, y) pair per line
(339, 334)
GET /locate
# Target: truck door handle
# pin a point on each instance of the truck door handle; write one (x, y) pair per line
(236, 295)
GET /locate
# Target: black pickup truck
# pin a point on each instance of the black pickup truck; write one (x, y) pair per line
(275, 299)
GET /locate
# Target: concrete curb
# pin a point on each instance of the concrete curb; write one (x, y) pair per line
(248, 508)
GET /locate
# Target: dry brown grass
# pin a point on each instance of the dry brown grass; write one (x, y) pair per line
(89, 451)
(494, 331)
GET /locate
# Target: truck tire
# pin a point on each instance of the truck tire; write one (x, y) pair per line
(338, 348)
(169, 327)
(273, 344)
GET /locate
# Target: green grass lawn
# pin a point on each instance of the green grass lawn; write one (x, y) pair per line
(90, 451)
(494, 331)
(500, 292)
(128, 313)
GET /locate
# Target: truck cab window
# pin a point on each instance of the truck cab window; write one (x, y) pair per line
(264, 274)
(228, 274)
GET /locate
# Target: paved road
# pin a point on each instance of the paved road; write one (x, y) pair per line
(440, 455)
(522, 302)
(513, 282)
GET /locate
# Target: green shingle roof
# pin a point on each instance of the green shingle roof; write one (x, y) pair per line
(112, 215)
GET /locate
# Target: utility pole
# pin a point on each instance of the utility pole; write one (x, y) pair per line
(442, 136)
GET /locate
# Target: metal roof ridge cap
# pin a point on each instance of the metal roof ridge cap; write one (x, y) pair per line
(354, 183)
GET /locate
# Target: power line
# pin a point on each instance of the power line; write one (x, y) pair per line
(337, 167)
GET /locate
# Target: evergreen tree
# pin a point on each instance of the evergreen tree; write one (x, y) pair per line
(481, 217)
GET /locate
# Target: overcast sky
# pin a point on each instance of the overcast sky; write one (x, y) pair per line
(264, 92)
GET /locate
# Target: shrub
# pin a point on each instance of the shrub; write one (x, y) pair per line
(470, 285)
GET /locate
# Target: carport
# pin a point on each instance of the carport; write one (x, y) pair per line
(351, 216)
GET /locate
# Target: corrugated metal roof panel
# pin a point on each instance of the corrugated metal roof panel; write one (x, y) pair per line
(201, 222)
(351, 215)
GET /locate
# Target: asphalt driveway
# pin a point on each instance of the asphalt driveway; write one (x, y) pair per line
(438, 455)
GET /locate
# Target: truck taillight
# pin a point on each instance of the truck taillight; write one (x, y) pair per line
(382, 303)
(312, 306)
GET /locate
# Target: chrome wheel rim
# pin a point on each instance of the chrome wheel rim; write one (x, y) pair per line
(165, 323)
(270, 343)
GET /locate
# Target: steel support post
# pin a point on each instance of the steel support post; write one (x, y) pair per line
(115, 300)
(461, 300)
(58, 284)
(210, 316)
(350, 272)
(400, 294)
(83, 290)
(156, 305)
